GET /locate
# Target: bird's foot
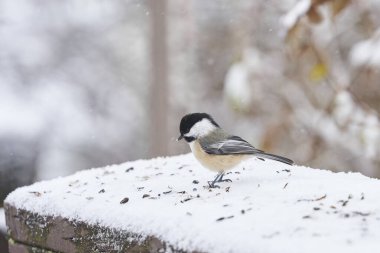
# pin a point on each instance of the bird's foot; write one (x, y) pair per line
(225, 180)
(220, 179)
(212, 184)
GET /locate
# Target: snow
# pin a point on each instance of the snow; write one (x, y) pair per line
(299, 9)
(3, 227)
(364, 123)
(269, 206)
(367, 52)
(237, 85)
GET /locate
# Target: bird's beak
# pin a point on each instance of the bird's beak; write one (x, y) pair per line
(180, 138)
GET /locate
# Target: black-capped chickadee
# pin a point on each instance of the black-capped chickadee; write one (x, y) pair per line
(215, 149)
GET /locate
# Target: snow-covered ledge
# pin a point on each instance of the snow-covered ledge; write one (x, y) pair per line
(165, 204)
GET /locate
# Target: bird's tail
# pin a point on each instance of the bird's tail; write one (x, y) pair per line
(275, 157)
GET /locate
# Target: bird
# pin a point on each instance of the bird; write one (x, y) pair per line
(217, 150)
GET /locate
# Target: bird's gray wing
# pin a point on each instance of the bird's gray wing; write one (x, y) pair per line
(231, 145)
(234, 145)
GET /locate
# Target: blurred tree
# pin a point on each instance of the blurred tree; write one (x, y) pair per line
(159, 81)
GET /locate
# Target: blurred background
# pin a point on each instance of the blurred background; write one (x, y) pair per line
(89, 83)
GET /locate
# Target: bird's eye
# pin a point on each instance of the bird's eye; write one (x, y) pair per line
(189, 138)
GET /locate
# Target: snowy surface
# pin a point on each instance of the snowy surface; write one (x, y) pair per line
(3, 228)
(269, 206)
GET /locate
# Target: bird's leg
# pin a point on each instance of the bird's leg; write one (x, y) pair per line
(211, 184)
(223, 180)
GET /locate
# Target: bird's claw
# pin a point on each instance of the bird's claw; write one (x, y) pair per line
(225, 180)
(212, 184)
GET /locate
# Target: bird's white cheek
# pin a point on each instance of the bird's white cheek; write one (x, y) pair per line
(201, 128)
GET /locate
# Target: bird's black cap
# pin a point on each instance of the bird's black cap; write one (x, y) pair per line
(188, 121)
